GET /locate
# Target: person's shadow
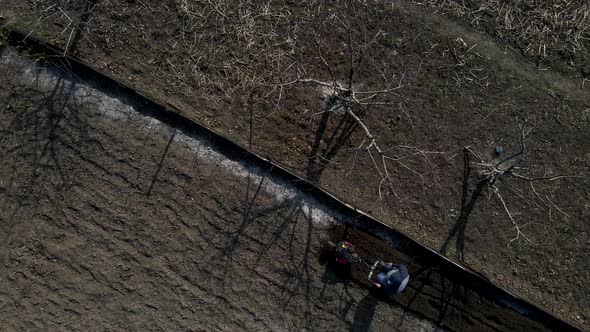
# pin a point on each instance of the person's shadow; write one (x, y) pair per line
(365, 310)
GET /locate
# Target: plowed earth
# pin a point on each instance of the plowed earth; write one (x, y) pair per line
(112, 219)
(226, 63)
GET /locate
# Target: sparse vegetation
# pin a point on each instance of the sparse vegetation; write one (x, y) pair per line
(537, 27)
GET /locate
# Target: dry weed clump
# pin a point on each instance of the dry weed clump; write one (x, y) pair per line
(538, 27)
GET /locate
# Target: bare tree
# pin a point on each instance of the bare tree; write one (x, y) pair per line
(347, 97)
(496, 175)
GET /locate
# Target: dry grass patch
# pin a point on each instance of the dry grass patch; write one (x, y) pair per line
(538, 27)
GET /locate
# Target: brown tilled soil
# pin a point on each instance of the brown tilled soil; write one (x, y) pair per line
(223, 64)
(111, 219)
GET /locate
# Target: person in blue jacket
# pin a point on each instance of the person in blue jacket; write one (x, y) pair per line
(393, 278)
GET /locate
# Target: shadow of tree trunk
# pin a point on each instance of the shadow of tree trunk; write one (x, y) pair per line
(319, 160)
(467, 206)
(161, 163)
(81, 25)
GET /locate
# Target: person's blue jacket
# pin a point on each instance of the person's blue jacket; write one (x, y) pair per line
(394, 278)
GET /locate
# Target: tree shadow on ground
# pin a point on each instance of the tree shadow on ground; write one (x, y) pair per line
(318, 160)
(250, 212)
(299, 274)
(161, 163)
(428, 276)
(467, 206)
(286, 225)
(81, 25)
(44, 112)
